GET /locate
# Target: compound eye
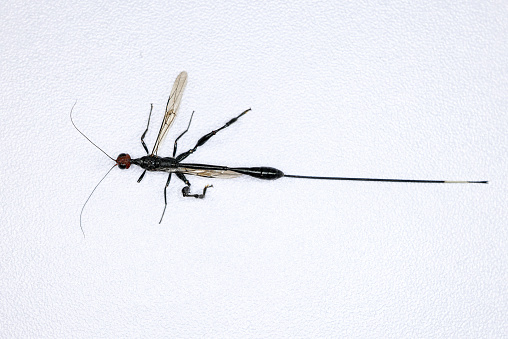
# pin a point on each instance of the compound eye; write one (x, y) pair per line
(122, 166)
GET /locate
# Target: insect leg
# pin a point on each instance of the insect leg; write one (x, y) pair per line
(183, 178)
(176, 140)
(143, 140)
(165, 197)
(186, 189)
(142, 175)
(206, 137)
(146, 130)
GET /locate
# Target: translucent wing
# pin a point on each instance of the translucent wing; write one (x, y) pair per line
(210, 173)
(171, 109)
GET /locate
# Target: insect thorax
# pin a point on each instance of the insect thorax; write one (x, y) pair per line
(156, 163)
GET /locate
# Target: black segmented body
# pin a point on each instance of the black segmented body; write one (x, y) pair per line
(171, 165)
(155, 163)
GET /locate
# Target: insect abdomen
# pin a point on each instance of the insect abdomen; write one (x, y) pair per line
(266, 173)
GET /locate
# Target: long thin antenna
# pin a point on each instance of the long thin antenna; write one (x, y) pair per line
(387, 180)
(83, 134)
(81, 214)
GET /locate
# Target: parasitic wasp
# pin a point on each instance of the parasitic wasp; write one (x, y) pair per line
(175, 165)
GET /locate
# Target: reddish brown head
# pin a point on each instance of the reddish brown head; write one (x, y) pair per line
(123, 161)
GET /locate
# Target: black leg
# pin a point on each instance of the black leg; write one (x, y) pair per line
(206, 137)
(183, 178)
(186, 189)
(143, 140)
(142, 175)
(146, 130)
(176, 141)
(165, 198)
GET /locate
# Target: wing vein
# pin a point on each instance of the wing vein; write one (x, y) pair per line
(171, 109)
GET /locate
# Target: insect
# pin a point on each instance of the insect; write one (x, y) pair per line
(174, 165)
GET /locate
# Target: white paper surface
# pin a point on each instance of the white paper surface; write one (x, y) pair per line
(360, 90)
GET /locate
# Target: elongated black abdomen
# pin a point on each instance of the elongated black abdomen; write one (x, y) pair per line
(266, 173)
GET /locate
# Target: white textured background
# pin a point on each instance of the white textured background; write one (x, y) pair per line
(358, 89)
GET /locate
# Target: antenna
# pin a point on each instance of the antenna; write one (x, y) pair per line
(83, 134)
